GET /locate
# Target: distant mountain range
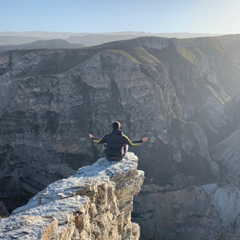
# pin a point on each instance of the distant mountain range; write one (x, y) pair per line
(88, 39)
(97, 39)
(42, 44)
(12, 40)
(67, 40)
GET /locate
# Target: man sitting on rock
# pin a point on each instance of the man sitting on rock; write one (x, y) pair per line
(116, 143)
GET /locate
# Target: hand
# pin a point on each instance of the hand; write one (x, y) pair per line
(144, 139)
(90, 135)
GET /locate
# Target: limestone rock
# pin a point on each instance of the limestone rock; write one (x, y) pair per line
(52, 98)
(177, 92)
(227, 153)
(30, 227)
(95, 203)
(208, 211)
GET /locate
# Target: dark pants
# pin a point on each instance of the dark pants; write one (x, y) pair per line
(115, 155)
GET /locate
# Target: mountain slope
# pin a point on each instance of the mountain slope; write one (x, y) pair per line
(231, 43)
(176, 92)
(140, 82)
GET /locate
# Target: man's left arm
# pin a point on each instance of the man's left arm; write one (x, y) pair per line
(134, 143)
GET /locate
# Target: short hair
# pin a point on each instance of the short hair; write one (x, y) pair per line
(116, 125)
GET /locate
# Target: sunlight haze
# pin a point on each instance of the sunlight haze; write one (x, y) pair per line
(215, 16)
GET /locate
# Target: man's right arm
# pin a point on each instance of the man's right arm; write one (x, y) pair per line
(100, 141)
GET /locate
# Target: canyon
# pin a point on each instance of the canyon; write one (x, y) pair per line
(181, 93)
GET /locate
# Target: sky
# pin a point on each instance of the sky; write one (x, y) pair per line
(100, 16)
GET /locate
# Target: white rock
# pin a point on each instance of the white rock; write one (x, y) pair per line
(94, 203)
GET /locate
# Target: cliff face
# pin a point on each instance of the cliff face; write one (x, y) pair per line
(177, 92)
(95, 203)
(51, 100)
(231, 43)
(199, 212)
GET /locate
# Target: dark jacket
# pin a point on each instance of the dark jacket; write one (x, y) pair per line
(115, 142)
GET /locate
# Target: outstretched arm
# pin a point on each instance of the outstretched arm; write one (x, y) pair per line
(100, 141)
(135, 143)
(90, 135)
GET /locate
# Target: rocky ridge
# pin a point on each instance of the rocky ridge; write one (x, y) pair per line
(95, 203)
(180, 93)
(51, 100)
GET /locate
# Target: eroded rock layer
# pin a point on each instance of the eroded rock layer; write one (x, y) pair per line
(181, 93)
(201, 212)
(172, 90)
(95, 203)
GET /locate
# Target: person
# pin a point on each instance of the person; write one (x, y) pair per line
(116, 143)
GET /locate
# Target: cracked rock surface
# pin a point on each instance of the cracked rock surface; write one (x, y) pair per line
(94, 203)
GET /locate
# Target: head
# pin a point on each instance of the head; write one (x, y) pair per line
(116, 125)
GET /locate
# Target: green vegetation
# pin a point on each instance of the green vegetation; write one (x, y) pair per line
(215, 94)
(219, 48)
(211, 48)
(198, 50)
(136, 54)
(187, 55)
(125, 55)
(190, 52)
(143, 56)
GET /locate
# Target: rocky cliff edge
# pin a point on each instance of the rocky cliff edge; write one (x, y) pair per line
(95, 203)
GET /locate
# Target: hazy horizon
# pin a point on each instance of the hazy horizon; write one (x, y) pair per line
(137, 33)
(215, 17)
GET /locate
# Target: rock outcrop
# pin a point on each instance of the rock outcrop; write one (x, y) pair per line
(94, 203)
